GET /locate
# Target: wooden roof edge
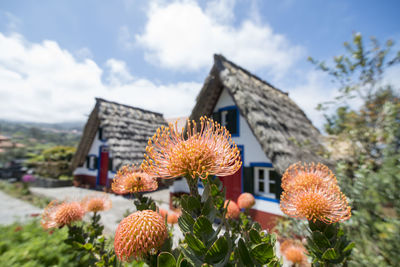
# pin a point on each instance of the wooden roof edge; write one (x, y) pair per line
(88, 135)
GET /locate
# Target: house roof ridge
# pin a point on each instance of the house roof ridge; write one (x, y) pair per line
(98, 99)
(220, 57)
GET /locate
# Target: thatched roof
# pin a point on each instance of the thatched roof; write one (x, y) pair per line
(127, 130)
(278, 124)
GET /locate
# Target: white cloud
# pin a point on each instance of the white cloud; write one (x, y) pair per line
(392, 77)
(182, 36)
(43, 82)
(312, 90)
(221, 11)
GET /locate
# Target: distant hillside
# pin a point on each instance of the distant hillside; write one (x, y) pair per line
(30, 133)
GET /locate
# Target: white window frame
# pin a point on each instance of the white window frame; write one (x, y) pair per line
(267, 181)
(92, 163)
(224, 114)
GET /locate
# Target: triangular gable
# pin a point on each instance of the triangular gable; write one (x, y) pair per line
(279, 125)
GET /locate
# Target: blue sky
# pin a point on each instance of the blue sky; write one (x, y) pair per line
(56, 56)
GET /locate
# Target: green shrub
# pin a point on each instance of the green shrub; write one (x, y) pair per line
(29, 245)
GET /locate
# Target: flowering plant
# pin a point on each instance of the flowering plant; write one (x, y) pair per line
(215, 230)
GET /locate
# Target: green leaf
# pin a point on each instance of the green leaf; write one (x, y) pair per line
(217, 251)
(330, 254)
(101, 239)
(184, 263)
(214, 190)
(166, 259)
(191, 257)
(254, 236)
(349, 247)
(244, 253)
(88, 246)
(193, 203)
(185, 222)
(206, 193)
(330, 231)
(262, 253)
(320, 240)
(203, 228)
(184, 202)
(195, 244)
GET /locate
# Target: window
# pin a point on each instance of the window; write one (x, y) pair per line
(91, 162)
(101, 134)
(224, 119)
(112, 165)
(264, 186)
(228, 117)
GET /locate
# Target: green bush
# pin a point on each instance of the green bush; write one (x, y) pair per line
(29, 245)
(53, 162)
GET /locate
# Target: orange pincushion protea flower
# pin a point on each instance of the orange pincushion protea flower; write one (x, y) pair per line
(209, 151)
(294, 252)
(96, 203)
(128, 180)
(162, 212)
(233, 210)
(58, 214)
(140, 233)
(299, 176)
(326, 204)
(246, 201)
(172, 217)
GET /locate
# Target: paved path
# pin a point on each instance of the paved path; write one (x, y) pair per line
(120, 205)
(13, 209)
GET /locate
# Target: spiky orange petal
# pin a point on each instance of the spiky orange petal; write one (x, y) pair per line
(130, 180)
(209, 151)
(140, 233)
(295, 252)
(302, 175)
(97, 202)
(58, 214)
(326, 204)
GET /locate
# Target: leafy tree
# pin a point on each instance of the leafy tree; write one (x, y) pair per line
(370, 174)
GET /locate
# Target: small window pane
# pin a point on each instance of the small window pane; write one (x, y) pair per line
(261, 186)
(224, 120)
(261, 174)
(272, 188)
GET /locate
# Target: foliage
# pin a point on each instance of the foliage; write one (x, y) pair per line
(375, 224)
(230, 244)
(328, 244)
(53, 162)
(360, 72)
(28, 245)
(89, 243)
(369, 175)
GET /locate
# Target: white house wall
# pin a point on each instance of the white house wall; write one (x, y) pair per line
(94, 150)
(252, 148)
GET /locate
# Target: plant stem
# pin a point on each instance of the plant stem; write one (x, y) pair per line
(193, 186)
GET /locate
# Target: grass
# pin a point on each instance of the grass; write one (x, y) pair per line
(21, 190)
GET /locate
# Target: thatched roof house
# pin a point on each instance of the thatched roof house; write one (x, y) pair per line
(270, 130)
(117, 132)
(283, 130)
